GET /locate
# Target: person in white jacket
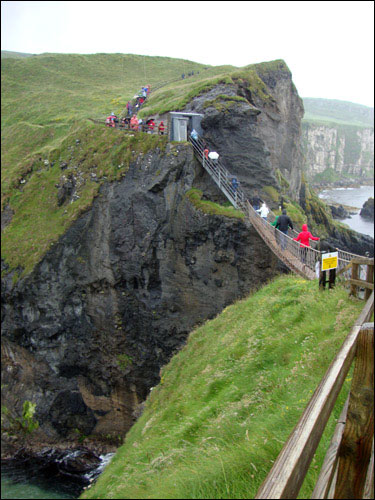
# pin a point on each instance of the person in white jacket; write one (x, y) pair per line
(263, 211)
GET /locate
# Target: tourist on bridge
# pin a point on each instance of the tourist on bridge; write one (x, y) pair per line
(213, 156)
(264, 211)
(304, 238)
(283, 223)
(194, 137)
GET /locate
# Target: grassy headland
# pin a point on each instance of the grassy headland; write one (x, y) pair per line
(46, 102)
(227, 402)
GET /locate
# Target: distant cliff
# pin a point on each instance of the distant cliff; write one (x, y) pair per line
(337, 142)
(337, 153)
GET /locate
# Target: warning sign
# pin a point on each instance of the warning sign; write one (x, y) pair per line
(330, 261)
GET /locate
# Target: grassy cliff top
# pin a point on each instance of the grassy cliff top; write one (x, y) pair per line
(46, 102)
(333, 112)
(227, 402)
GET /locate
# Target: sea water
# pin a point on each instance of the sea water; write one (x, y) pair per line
(353, 197)
(17, 483)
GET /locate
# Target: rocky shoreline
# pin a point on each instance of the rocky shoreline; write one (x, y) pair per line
(72, 469)
(342, 184)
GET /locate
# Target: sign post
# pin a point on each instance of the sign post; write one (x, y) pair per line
(329, 264)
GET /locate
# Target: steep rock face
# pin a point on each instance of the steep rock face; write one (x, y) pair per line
(118, 294)
(338, 153)
(257, 138)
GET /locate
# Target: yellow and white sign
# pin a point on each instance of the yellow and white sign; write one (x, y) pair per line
(330, 261)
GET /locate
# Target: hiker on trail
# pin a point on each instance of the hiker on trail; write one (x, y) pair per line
(304, 238)
(111, 120)
(283, 223)
(134, 122)
(264, 211)
(148, 89)
(205, 153)
(129, 107)
(151, 125)
(161, 128)
(183, 76)
(234, 184)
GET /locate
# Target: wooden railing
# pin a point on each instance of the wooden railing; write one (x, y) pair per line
(347, 470)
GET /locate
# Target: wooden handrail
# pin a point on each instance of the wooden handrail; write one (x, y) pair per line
(355, 449)
(288, 472)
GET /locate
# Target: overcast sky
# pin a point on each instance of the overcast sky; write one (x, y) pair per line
(328, 46)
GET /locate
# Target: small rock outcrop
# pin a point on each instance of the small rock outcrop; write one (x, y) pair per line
(367, 211)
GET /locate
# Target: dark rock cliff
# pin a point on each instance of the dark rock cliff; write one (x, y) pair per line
(258, 137)
(86, 333)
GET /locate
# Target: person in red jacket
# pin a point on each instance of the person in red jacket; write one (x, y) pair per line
(304, 238)
(151, 125)
(161, 128)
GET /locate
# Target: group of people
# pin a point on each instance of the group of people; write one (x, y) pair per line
(131, 121)
(283, 223)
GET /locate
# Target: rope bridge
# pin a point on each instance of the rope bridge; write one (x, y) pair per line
(298, 258)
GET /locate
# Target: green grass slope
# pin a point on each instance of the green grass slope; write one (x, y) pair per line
(332, 111)
(229, 399)
(9, 53)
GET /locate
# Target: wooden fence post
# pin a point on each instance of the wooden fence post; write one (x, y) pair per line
(353, 288)
(369, 279)
(355, 449)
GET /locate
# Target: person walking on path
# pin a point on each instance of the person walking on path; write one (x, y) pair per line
(264, 211)
(134, 122)
(283, 223)
(129, 107)
(304, 238)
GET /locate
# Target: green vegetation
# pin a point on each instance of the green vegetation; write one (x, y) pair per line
(100, 154)
(227, 402)
(25, 424)
(209, 207)
(335, 112)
